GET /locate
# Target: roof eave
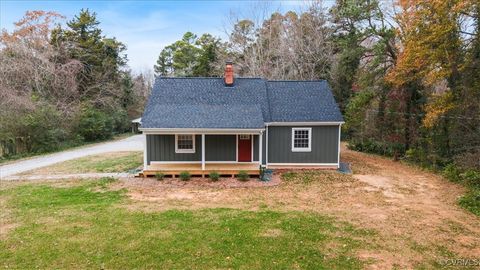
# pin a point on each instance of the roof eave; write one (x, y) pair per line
(202, 130)
(311, 123)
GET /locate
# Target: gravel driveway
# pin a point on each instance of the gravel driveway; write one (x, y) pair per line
(133, 143)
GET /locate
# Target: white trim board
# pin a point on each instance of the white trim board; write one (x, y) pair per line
(199, 162)
(299, 149)
(145, 152)
(339, 146)
(251, 148)
(200, 131)
(185, 151)
(304, 123)
(303, 164)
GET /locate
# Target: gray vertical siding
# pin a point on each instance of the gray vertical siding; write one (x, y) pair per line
(217, 148)
(324, 145)
(256, 143)
(162, 148)
(220, 147)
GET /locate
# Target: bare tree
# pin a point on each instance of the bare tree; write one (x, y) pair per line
(294, 45)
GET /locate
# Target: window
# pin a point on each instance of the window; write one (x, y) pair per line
(301, 139)
(184, 144)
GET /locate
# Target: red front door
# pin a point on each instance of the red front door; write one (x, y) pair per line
(244, 148)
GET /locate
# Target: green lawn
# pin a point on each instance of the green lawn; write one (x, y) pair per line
(91, 226)
(103, 163)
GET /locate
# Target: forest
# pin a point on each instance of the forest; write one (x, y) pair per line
(406, 74)
(62, 86)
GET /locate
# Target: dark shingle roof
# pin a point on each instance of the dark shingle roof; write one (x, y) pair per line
(206, 116)
(208, 103)
(302, 101)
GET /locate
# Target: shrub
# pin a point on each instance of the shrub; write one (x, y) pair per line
(185, 176)
(471, 178)
(41, 129)
(377, 147)
(452, 173)
(120, 121)
(214, 176)
(94, 124)
(159, 176)
(289, 176)
(471, 201)
(456, 174)
(242, 176)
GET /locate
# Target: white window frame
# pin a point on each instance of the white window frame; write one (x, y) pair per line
(185, 151)
(298, 149)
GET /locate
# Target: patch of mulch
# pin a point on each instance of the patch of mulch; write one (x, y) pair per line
(195, 182)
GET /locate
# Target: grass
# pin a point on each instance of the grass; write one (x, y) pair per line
(103, 163)
(87, 226)
(62, 147)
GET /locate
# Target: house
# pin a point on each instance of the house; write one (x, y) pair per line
(136, 123)
(230, 124)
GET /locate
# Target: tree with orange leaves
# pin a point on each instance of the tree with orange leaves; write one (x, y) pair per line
(33, 29)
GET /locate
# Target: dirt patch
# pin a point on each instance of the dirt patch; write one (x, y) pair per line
(272, 233)
(7, 223)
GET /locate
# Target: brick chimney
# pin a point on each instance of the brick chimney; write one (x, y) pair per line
(228, 77)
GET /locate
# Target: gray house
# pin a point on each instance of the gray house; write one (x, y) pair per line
(230, 124)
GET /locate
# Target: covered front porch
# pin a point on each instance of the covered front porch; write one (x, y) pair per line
(226, 152)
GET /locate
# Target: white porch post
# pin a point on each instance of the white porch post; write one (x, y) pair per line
(144, 151)
(260, 150)
(203, 151)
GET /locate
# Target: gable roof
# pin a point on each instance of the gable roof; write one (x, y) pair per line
(302, 101)
(248, 104)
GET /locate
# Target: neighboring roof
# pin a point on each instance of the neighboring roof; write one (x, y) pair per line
(137, 120)
(302, 101)
(248, 104)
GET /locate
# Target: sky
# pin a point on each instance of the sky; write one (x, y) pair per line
(145, 26)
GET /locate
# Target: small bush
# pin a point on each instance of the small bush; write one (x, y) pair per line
(471, 178)
(214, 176)
(452, 173)
(159, 176)
(185, 176)
(289, 176)
(467, 177)
(471, 201)
(243, 176)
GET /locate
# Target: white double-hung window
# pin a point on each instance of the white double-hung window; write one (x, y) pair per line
(301, 139)
(184, 143)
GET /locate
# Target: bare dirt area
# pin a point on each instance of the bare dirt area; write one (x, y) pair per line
(413, 212)
(6, 220)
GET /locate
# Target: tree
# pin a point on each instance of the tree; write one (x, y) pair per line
(102, 58)
(283, 46)
(190, 56)
(54, 79)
